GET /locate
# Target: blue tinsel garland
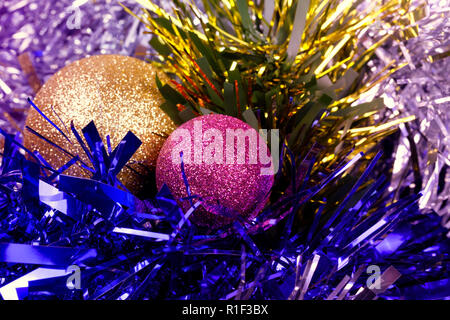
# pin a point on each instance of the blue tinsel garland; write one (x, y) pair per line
(127, 248)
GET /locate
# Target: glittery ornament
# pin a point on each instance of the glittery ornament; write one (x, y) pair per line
(226, 164)
(119, 94)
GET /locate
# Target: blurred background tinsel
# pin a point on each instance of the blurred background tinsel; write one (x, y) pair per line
(410, 246)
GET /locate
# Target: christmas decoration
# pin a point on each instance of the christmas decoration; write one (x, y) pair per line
(336, 217)
(283, 66)
(119, 94)
(225, 162)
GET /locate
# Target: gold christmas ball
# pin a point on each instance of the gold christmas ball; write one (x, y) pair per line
(119, 94)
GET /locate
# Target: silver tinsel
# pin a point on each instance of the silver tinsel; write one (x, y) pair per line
(422, 89)
(52, 34)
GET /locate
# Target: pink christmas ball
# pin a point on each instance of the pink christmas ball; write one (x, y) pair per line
(227, 164)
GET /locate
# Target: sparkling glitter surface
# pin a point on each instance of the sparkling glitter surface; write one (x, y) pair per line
(118, 93)
(226, 189)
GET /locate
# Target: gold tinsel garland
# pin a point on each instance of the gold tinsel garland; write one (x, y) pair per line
(296, 66)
